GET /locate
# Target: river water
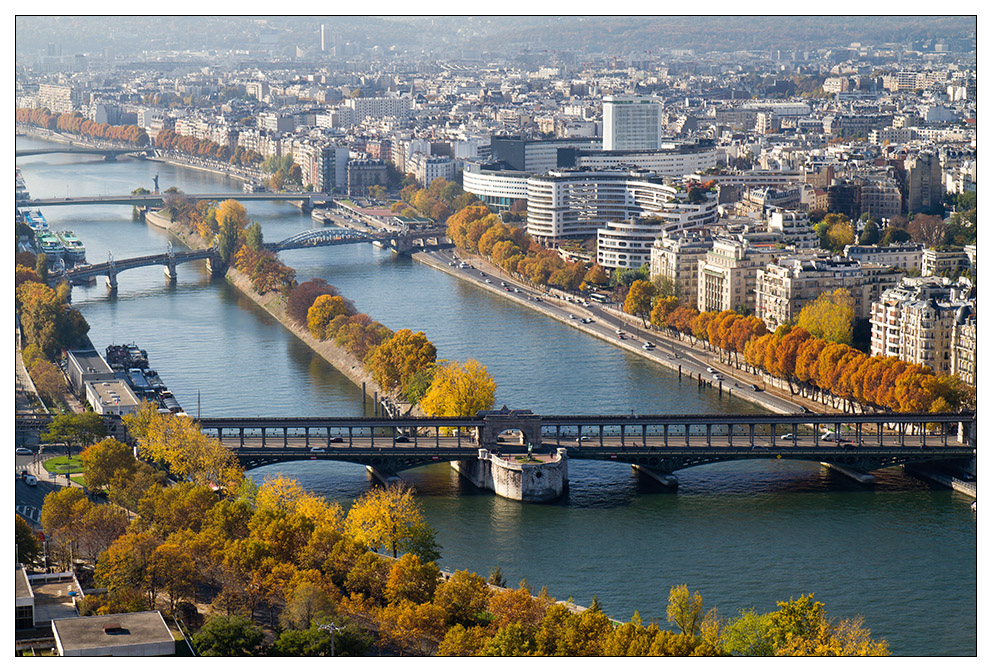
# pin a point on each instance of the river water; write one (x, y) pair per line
(747, 534)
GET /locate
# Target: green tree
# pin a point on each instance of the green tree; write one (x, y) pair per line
(253, 236)
(229, 636)
(870, 234)
(41, 267)
(750, 634)
(309, 602)
(26, 541)
(74, 429)
(317, 641)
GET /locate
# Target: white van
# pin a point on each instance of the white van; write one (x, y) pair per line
(829, 436)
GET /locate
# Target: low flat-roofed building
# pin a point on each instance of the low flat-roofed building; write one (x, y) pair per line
(111, 397)
(143, 633)
(86, 365)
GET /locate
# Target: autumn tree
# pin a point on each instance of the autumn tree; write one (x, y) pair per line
(232, 218)
(412, 580)
(101, 462)
(459, 390)
(638, 301)
(464, 598)
(685, 610)
(830, 316)
(302, 297)
(395, 361)
(385, 518)
(324, 309)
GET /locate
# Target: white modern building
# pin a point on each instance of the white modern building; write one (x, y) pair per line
(627, 244)
(498, 189)
(631, 123)
(576, 203)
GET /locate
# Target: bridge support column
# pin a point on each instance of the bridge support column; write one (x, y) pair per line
(523, 482)
(170, 271)
(859, 476)
(666, 480)
(384, 476)
(112, 279)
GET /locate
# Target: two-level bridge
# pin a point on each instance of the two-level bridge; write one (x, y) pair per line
(108, 153)
(666, 442)
(656, 444)
(148, 200)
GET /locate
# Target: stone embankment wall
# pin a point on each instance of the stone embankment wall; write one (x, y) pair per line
(275, 304)
(342, 360)
(521, 481)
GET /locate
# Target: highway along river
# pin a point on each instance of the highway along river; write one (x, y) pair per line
(744, 534)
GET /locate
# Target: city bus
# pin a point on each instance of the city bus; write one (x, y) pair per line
(598, 298)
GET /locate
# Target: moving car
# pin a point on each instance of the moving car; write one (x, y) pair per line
(316, 449)
(24, 451)
(787, 437)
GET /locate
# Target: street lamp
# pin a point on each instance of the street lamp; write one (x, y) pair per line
(329, 627)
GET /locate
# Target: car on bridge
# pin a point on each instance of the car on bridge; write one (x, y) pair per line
(316, 449)
(787, 437)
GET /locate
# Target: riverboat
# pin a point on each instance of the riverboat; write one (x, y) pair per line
(75, 251)
(49, 244)
(35, 219)
(130, 363)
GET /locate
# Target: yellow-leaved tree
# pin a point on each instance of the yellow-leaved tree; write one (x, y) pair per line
(459, 389)
(388, 519)
(830, 317)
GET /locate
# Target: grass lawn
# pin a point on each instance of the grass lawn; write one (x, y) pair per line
(64, 465)
(81, 480)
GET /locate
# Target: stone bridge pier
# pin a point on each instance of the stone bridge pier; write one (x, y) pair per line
(507, 467)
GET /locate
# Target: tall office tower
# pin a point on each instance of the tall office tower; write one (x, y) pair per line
(631, 122)
(323, 44)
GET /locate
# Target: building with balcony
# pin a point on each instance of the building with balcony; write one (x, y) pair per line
(927, 321)
(727, 276)
(677, 259)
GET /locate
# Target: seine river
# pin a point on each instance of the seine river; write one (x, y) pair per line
(746, 534)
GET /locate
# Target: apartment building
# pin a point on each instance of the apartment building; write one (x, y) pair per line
(905, 256)
(784, 288)
(677, 259)
(944, 262)
(794, 228)
(727, 276)
(927, 321)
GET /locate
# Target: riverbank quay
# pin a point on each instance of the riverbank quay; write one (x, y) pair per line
(680, 358)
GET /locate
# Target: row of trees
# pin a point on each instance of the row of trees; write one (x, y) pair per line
(809, 355)
(438, 201)
(207, 149)
(404, 361)
(475, 229)
(74, 122)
